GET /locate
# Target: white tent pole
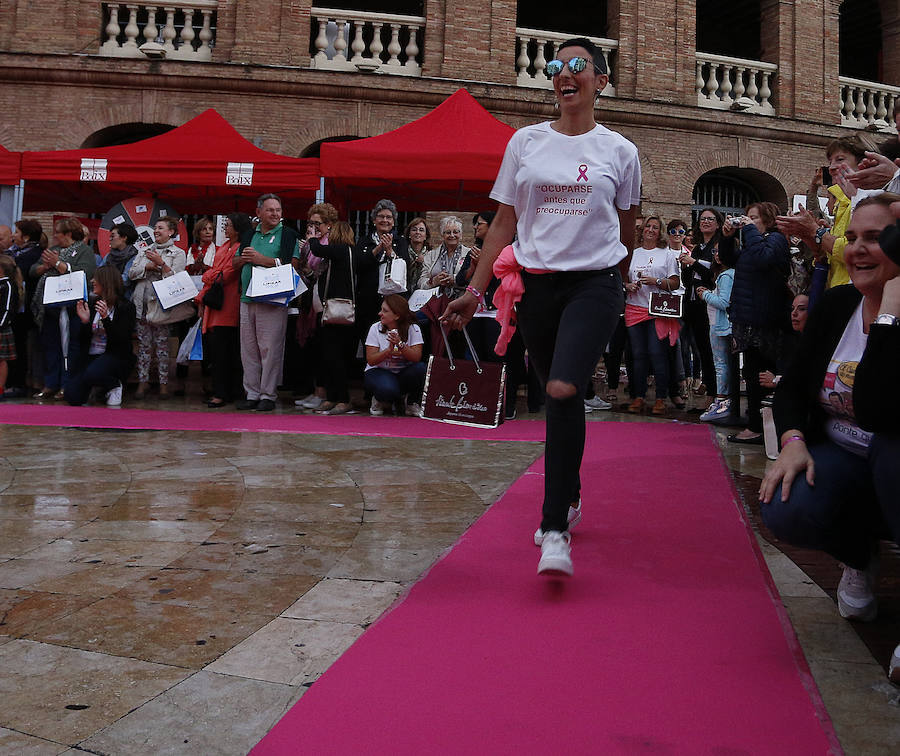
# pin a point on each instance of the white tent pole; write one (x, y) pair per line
(320, 194)
(18, 198)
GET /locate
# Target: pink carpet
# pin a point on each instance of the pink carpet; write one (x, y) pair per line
(58, 415)
(667, 640)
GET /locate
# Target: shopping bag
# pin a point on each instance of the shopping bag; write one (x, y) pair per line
(392, 276)
(665, 305)
(464, 392)
(175, 290)
(192, 346)
(66, 289)
(277, 286)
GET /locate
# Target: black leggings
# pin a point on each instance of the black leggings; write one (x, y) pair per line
(567, 319)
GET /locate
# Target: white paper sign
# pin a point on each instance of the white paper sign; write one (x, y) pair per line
(239, 174)
(420, 298)
(93, 169)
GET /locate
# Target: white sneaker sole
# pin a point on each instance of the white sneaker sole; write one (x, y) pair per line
(554, 566)
(574, 517)
(866, 613)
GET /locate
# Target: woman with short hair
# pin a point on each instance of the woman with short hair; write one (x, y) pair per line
(70, 254)
(442, 264)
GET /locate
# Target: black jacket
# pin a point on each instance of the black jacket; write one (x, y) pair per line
(338, 276)
(367, 265)
(875, 383)
(119, 331)
(760, 296)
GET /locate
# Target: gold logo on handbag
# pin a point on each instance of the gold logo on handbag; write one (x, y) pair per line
(665, 304)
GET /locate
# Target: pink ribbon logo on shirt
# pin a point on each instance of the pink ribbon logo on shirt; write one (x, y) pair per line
(582, 173)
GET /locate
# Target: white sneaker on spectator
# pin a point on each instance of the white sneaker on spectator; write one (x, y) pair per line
(894, 669)
(714, 409)
(596, 404)
(573, 518)
(114, 397)
(376, 410)
(855, 594)
(312, 402)
(301, 403)
(413, 410)
(556, 554)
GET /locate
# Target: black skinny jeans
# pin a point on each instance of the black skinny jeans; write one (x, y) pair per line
(566, 320)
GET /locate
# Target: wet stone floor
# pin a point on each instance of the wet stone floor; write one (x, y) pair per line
(177, 592)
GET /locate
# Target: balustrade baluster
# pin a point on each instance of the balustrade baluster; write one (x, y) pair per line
(111, 45)
(847, 101)
(131, 28)
(739, 87)
(699, 83)
(358, 45)
(860, 107)
(523, 61)
(752, 89)
(712, 83)
(540, 62)
(340, 43)
(376, 47)
(393, 47)
(725, 87)
(870, 106)
(765, 92)
(412, 49)
(187, 33)
(150, 30)
(204, 50)
(881, 111)
(321, 42)
(168, 31)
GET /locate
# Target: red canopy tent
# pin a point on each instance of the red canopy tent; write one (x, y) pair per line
(447, 158)
(203, 166)
(9, 167)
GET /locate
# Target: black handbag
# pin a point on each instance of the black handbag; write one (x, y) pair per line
(214, 298)
(464, 392)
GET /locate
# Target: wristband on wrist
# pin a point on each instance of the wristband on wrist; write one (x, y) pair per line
(475, 293)
(792, 438)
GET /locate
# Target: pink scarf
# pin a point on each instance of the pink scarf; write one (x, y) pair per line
(665, 327)
(508, 294)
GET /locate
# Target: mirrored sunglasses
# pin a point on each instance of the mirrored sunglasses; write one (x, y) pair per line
(677, 232)
(576, 65)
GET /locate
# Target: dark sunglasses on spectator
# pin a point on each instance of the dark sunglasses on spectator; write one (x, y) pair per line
(677, 232)
(576, 65)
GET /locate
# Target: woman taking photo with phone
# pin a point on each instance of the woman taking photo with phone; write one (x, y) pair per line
(568, 191)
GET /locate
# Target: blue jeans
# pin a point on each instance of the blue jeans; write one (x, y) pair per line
(567, 319)
(105, 371)
(647, 348)
(388, 387)
(721, 353)
(853, 503)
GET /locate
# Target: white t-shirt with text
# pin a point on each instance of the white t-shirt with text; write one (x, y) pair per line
(396, 361)
(657, 263)
(565, 191)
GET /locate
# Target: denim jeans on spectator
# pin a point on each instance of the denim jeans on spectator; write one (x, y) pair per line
(853, 503)
(567, 319)
(721, 352)
(647, 348)
(387, 386)
(105, 371)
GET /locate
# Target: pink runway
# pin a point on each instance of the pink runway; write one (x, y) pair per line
(669, 638)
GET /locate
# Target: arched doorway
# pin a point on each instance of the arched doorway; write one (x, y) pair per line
(731, 189)
(125, 133)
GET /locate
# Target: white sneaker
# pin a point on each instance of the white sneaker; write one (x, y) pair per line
(114, 397)
(573, 518)
(301, 403)
(413, 410)
(556, 554)
(596, 404)
(312, 402)
(376, 409)
(855, 594)
(894, 669)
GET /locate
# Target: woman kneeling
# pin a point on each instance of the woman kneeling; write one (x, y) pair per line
(106, 330)
(394, 368)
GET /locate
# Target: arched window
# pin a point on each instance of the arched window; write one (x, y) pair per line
(125, 133)
(861, 40)
(727, 193)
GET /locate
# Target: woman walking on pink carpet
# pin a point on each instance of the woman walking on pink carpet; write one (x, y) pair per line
(568, 191)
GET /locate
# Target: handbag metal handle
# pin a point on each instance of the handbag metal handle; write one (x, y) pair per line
(471, 349)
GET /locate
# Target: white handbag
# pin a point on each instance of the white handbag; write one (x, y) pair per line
(175, 290)
(66, 289)
(392, 276)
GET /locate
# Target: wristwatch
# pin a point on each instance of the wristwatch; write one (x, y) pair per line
(820, 234)
(659, 282)
(886, 319)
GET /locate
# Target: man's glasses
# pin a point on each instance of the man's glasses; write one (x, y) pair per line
(677, 232)
(576, 65)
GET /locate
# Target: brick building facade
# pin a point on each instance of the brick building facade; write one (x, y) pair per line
(288, 74)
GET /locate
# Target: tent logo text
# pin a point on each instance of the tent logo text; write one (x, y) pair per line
(93, 169)
(239, 174)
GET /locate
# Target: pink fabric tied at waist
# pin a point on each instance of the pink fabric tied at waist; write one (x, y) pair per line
(665, 327)
(508, 294)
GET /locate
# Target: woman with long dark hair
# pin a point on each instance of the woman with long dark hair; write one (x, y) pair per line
(568, 191)
(395, 373)
(106, 327)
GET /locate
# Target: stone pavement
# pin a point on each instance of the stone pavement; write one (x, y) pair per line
(177, 592)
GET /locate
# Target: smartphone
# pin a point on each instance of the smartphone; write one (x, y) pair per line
(826, 176)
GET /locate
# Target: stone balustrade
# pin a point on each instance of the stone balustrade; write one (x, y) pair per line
(378, 41)
(735, 84)
(868, 105)
(534, 48)
(185, 29)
